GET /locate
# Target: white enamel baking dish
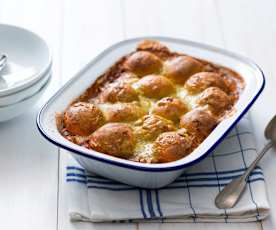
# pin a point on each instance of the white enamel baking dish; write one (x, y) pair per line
(134, 173)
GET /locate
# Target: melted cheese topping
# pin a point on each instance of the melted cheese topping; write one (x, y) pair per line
(143, 151)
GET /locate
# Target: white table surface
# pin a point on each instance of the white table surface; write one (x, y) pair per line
(32, 193)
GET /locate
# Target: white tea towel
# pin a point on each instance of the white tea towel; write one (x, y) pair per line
(190, 198)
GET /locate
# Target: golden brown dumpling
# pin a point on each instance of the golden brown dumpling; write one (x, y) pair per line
(170, 108)
(171, 146)
(143, 63)
(83, 118)
(150, 126)
(198, 121)
(152, 45)
(203, 80)
(215, 98)
(128, 77)
(155, 86)
(180, 68)
(122, 112)
(115, 139)
(118, 91)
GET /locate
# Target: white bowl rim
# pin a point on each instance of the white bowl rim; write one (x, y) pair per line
(164, 167)
(48, 77)
(39, 75)
(45, 73)
(45, 85)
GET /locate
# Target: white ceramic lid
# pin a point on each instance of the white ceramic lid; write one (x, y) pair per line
(28, 59)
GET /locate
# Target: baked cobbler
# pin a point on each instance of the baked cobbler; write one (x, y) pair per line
(152, 106)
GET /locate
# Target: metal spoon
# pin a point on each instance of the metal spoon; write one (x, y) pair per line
(229, 196)
(3, 61)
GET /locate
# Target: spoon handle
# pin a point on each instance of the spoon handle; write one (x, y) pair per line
(256, 161)
(229, 196)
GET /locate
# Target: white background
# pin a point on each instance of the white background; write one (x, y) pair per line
(32, 193)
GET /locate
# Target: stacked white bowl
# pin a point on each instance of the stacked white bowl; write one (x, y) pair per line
(27, 72)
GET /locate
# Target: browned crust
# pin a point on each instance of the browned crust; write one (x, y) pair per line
(163, 53)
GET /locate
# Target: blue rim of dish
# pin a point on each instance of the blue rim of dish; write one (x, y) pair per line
(142, 168)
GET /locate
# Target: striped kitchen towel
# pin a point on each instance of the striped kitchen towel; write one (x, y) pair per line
(190, 198)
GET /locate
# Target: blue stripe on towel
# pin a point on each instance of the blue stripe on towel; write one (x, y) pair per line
(215, 167)
(205, 185)
(75, 168)
(112, 188)
(184, 174)
(103, 182)
(212, 178)
(76, 180)
(168, 187)
(96, 182)
(219, 172)
(142, 204)
(243, 159)
(234, 152)
(76, 175)
(158, 203)
(179, 180)
(241, 133)
(190, 199)
(150, 204)
(96, 177)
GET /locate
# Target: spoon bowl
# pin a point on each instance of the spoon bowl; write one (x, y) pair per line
(231, 193)
(270, 130)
